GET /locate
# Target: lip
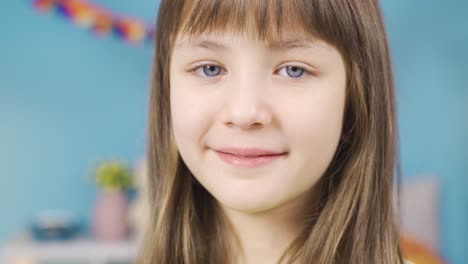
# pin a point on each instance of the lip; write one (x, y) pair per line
(250, 157)
(248, 152)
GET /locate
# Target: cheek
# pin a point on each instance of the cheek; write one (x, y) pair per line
(314, 126)
(320, 123)
(191, 114)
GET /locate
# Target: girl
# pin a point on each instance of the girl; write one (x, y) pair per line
(272, 134)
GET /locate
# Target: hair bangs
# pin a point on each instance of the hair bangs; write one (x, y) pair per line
(266, 20)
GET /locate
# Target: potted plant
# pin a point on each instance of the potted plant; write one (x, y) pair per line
(110, 211)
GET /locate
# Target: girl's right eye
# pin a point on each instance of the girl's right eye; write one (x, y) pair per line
(208, 70)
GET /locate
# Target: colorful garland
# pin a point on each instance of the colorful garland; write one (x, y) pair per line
(100, 21)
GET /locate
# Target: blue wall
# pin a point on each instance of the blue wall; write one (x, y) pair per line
(429, 41)
(68, 99)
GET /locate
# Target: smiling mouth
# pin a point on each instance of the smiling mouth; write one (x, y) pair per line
(248, 161)
(251, 156)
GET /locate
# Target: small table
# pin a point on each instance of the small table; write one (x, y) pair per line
(22, 249)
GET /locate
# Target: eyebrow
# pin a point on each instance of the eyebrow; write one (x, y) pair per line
(291, 44)
(204, 44)
(274, 45)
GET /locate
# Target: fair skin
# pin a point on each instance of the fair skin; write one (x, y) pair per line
(247, 96)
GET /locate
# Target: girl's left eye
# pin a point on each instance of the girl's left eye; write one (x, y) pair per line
(292, 71)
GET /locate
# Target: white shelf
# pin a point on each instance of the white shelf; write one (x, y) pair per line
(24, 250)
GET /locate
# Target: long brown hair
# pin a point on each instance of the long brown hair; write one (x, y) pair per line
(354, 220)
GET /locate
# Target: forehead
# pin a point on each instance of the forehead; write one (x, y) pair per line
(223, 42)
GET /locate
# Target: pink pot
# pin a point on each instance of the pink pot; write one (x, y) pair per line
(110, 215)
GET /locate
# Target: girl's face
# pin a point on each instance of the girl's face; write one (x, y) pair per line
(233, 93)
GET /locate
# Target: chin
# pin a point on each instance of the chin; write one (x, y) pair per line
(243, 202)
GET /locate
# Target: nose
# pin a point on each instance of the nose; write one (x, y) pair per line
(246, 106)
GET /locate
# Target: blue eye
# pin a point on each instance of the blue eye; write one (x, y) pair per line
(209, 70)
(293, 71)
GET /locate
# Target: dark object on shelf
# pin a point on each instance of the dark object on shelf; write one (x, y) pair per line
(53, 226)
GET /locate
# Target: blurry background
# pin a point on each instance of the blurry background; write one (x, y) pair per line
(69, 99)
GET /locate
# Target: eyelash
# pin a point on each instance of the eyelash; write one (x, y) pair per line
(306, 72)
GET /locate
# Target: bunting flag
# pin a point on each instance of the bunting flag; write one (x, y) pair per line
(99, 20)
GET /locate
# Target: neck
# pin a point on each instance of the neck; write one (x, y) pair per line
(264, 236)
